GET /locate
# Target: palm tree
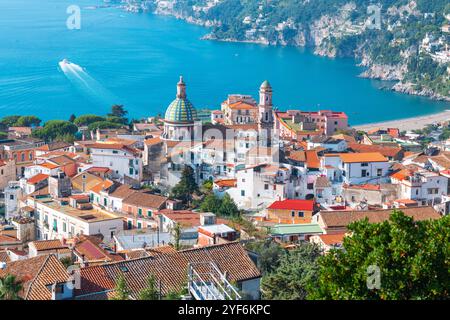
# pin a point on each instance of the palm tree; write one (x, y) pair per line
(10, 288)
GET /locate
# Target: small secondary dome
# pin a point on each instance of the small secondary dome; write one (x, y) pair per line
(181, 109)
(265, 84)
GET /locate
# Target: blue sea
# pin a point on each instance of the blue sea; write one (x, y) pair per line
(133, 59)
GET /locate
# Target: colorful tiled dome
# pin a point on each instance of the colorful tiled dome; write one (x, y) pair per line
(181, 109)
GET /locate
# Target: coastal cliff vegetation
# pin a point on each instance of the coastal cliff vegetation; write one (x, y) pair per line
(405, 41)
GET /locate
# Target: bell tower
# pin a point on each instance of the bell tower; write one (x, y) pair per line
(265, 112)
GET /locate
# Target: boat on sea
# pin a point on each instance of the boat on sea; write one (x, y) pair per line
(64, 62)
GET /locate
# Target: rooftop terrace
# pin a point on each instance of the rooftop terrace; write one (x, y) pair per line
(87, 215)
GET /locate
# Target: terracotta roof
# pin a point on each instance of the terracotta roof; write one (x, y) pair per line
(122, 191)
(37, 275)
(62, 160)
(88, 247)
(405, 201)
(186, 218)
(331, 239)
(98, 169)
(230, 258)
(37, 178)
(43, 245)
(4, 256)
(90, 181)
(152, 141)
(373, 187)
(307, 205)
(40, 192)
(299, 156)
(102, 186)
(345, 137)
(135, 254)
(240, 105)
(362, 157)
(226, 183)
(385, 151)
(7, 239)
(161, 250)
(442, 160)
(312, 159)
(343, 218)
(322, 182)
(54, 146)
(49, 165)
(146, 200)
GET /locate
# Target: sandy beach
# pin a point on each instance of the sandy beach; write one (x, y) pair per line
(407, 124)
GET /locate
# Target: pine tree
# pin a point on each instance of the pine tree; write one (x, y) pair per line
(151, 291)
(72, 118)
(176, 233)
(211, 203)
(186, 187)
(228, 207)
(121, 291)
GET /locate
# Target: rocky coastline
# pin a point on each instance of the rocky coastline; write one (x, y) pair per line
(316, 37)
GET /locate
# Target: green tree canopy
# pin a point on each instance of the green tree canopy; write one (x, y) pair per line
(21, 121)
(412, 258)
(115, 119)
(269, 254)
(151, 291)
(28, 121)
(186, 187)
(121, 291)
(297, 269)
(72, 118)
(10, 288)
(87, 119)
(55, 128)
(176, 234)
(211, 203)
(118, 110)
(9, 121)
(228, 207)
(103, 125)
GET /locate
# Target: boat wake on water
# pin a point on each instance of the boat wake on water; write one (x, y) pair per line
(87, 85)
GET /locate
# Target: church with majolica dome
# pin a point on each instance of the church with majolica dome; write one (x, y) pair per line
(181, 117)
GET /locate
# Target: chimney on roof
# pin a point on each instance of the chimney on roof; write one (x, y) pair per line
(54, 291)
(84, 263)
(59, 186)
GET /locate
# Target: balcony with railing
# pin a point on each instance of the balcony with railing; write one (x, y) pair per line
(207, 282)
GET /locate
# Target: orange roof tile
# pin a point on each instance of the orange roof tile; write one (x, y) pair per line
(101, 186)
(241, 106)
(37, 178)
(49, 165)
(331, 239)
(362, 157)
(226, 183)
(312, 159)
